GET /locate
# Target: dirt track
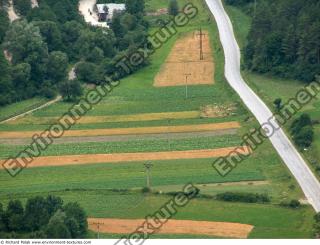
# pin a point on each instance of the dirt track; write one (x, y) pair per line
(130, 131)
(215, 229)
(185, 59)
(129, 157)
(115, 118)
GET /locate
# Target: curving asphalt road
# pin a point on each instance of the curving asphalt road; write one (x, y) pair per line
(291, 157)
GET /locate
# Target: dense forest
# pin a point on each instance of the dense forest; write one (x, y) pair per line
(37, 50)
(42, 217)
(284, 39)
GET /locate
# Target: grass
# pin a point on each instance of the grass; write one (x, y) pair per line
(270, 221)
(121, 175)
(131, 146)
(270, 88)
(136, 93)
(20, 107)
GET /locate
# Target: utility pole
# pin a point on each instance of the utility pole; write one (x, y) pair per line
(201, 46)
(148, 167)
(98, 225)
(187, 75)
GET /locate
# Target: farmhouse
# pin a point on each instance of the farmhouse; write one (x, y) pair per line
(106, 11)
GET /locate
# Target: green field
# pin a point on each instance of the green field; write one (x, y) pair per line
(96, 187)
(20, 107)
(269, 221)
(286, 89)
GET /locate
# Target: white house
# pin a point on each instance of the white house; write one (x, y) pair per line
(107, 10)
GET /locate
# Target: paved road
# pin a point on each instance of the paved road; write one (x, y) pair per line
(298, 167)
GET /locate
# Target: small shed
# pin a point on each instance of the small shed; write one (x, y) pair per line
(106, 11)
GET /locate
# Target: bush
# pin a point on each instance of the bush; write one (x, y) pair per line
(291, 204)
(146, 190)
(243, 197)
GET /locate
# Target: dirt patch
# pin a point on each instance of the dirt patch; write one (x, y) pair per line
(131, 131)
(185, 59)
(207, 228)
(119, 118)
(132, 157)
(159, 12)
(214, 111)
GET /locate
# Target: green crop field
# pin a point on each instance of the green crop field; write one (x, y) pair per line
(113, 190)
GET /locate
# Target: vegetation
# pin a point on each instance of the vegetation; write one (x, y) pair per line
(173, 7)
(243, 197)
(284, 38)
(291, 204)
(43, 218)
(302, 131)
(22, 7)
(54, 35)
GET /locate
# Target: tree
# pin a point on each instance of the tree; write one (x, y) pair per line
(278, 104)
(6, 86)
(36, 213)
(135, 7)
(76, 218)
(5, 22)
(70, 90)
(15, 215)
(304, 137)
(173, 7)
(116, 26)
(57, 228)
(317, 217)
(22, 7)
(21, 74)
(24, 41)
(2, 222)
(57, 66)
(53, 204)
(51, 34)
(88, 72)
(303, 121)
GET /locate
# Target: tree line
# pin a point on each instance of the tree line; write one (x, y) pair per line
(284, 39)
(43, 218)
(41, 45)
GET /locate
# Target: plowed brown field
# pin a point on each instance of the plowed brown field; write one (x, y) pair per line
(131, 157)
(185, 59)
(215, 229)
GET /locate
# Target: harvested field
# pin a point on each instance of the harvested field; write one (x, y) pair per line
(118, 118)
(132, 157)
(215, 229)
(185, 59)
(130, 131)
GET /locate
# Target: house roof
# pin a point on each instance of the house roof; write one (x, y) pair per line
(111, 7)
